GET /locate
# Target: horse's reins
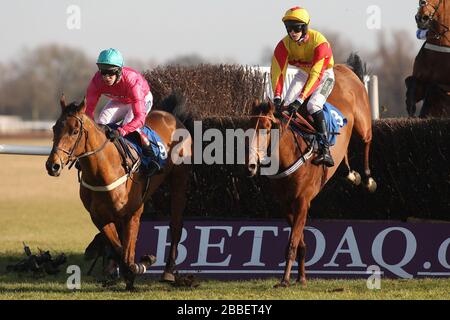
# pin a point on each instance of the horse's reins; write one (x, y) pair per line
(304, 156)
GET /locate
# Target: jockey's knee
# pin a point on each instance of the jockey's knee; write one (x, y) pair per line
(313, 107)
(105, 117)
(107, 114)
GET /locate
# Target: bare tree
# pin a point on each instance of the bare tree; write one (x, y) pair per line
(187, 60)
(39, 76)
(341, 47)
(392, 62)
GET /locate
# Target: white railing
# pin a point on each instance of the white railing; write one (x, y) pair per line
(25, 150)
(15, 124)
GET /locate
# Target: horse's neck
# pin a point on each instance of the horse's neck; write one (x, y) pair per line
(445, 16)
(105, 164)
(440, 27)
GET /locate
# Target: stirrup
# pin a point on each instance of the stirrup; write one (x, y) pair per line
(152, 168)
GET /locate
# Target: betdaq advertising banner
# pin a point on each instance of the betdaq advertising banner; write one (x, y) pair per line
(239, 249)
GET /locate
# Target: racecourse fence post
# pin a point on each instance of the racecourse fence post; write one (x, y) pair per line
(25, 150)
(371, 84)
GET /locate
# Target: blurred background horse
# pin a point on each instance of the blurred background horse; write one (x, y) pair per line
(430, 80)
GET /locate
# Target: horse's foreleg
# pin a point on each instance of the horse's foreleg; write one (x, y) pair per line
(426, 106)
(110, 232)
(411, 85)
(300, 208)
(301, 253)
(129, 243)
(114, 251)
(178, 185)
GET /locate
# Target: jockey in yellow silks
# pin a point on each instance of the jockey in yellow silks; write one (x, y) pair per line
(311, 53)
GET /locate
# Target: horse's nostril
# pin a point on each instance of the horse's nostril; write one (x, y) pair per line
(55, 167)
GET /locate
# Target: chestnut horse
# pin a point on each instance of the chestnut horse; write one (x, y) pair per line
(431, 72)
(116, 201)
(296, 190)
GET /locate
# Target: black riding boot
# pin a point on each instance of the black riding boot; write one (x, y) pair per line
(324, 156)
(147, 151)
(153, 166)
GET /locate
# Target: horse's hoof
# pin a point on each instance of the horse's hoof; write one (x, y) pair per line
(109, 282)
(130, 287)
(354, 178)
(282, 284)
(301, 282)
(371, 185)
(168, 277)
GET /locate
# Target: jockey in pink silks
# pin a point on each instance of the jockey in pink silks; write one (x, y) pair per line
(131, 99)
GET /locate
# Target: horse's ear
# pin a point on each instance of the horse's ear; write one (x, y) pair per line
(62, 101)
(255, 106)
(82, 106)
(271, 106)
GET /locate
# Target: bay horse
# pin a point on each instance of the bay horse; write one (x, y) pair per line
(115, 199)
(296, 190)
(431, 69)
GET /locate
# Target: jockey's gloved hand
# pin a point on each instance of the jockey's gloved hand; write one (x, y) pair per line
(112, 134)
(294, 106)
(277, 102)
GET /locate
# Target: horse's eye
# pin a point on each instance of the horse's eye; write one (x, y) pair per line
(75, 131)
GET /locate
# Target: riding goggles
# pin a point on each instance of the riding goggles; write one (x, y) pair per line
(109, 72)
(297, 27)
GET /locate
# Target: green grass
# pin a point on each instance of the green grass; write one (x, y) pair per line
(27, 287)
(46, 212)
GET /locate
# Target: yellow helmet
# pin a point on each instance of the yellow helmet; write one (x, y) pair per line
(297, 14)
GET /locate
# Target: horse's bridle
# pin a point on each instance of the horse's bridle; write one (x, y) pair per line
(424, 3)
(71, 158)
(258, 117)
(274, 121)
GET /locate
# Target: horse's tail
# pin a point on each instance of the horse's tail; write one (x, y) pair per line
(355, 63)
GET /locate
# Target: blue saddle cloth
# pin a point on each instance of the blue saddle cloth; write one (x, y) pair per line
(335, 121)
(159, 149)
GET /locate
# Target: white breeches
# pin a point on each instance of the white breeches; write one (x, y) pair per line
(318, 97)
(115, 111)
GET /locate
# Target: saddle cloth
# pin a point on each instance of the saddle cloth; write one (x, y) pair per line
(133, 140)
(335, 121)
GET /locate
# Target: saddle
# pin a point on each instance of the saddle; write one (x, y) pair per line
(303, 124)
(131, 150)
